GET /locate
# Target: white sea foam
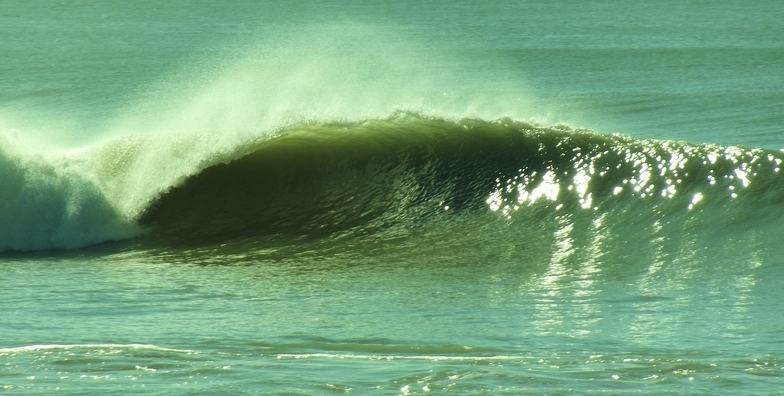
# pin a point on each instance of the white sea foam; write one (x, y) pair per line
(49, 200)
(397, 357)
(50, 347)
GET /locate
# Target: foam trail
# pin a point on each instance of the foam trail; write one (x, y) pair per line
(49, 347)
(432, 358)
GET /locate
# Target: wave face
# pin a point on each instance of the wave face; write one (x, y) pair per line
(385, 178)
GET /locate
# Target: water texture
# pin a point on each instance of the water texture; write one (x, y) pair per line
(394, 198)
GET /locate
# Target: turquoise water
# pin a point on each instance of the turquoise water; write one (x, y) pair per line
(395, 198)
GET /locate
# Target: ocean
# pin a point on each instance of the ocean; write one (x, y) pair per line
(411, 197)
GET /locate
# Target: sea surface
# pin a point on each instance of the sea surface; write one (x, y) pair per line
(376, 197)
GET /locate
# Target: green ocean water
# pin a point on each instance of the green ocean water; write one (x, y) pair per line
(397, 198)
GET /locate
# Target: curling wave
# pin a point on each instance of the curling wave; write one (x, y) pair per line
(365, 177)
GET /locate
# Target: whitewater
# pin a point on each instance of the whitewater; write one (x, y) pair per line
(408, 198)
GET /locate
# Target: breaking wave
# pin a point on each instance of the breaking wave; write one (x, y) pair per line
(372, 177)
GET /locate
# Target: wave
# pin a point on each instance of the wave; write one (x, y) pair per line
(369, 177)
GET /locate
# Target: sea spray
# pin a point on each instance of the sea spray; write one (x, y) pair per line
(51, 201)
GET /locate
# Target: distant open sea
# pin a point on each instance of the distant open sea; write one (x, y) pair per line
(409, 197)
